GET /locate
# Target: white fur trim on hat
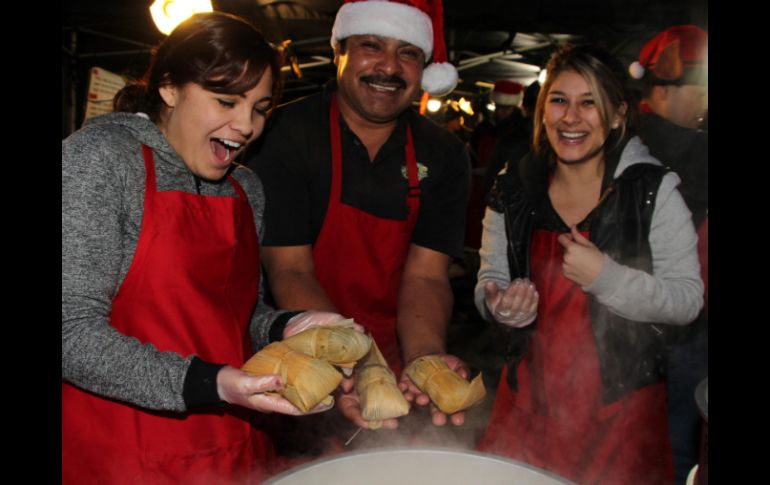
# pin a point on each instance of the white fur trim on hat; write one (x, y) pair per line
(636, 70)
(386, 19)
(439, 78)
(505, 99)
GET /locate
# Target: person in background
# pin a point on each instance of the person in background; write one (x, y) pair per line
(673, 68)
(506, 96)
(505, 119)
(454, 122)
(366, 198)
(160, 270)
(588, 251)
(514, 139)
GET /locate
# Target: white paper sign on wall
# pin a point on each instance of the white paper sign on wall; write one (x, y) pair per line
(102, 87)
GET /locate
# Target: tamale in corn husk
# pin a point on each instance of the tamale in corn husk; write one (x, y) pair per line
(306, 381)
(450, 392)
(339, 345)
(380, 397)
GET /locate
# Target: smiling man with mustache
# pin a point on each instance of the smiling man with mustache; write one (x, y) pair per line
(367, 197)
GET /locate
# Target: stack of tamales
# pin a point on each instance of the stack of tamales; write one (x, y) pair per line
(305, 362)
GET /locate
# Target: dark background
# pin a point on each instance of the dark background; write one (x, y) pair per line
(516, 36)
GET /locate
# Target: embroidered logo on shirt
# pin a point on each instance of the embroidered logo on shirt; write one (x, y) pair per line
(422, 172)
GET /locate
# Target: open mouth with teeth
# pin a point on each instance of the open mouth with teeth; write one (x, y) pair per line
(570, 136)
(383, 88)
(224, 149)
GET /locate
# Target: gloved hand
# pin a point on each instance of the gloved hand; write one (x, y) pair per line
(237, 387)
(313, 318)
(515, 305)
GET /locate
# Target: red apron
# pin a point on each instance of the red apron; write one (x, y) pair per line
(359, 258)
(191, 289)
(557, 420)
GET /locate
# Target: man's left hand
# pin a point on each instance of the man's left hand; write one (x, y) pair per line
(413, 394)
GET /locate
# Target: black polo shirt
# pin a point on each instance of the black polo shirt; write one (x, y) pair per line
(293, 160)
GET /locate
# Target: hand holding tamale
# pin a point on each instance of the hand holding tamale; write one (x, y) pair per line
(307, 381)
(448, 391)
(380, 397)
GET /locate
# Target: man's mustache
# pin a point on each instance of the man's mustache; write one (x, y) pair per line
(384, 80)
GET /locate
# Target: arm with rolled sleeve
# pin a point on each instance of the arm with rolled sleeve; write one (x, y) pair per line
(673, 294)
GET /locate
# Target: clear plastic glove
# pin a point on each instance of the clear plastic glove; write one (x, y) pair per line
(313, 318)
(515, 305)
(349, 405)
(412, 393)
(237, 387)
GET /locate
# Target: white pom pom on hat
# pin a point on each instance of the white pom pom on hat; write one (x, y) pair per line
(419, 22)
(439, 78)
(636, 70)
(677, 55)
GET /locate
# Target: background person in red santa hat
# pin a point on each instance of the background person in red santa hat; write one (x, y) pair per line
(506, 121)
(673, 67)
(367, 197)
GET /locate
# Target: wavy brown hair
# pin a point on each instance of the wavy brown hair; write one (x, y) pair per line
(219, 52)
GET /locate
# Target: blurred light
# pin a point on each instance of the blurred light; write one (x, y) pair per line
(167, 14)
(434, 105)
(491, 107)
(465, 106)
(541, 77)
(424, 102)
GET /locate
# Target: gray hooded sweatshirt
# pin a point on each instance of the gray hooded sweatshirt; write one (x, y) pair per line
(103, 179)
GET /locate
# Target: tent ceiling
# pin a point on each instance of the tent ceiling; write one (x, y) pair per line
(487, 39)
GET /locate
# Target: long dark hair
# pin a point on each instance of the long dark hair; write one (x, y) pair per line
(217, 51)
(606, 76)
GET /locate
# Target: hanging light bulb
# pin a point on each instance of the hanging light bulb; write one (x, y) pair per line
(434, 105)
(167, 14)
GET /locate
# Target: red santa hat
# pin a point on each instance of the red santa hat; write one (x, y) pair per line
(678, 55)
(419, 22)
(507, 93)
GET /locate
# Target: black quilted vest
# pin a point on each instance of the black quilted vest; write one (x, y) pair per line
(631, 354)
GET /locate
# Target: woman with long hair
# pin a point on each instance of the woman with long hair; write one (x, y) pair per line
(160, 270)
(588, 252)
